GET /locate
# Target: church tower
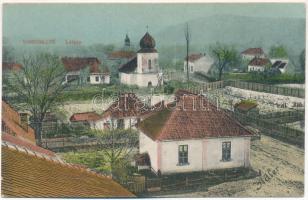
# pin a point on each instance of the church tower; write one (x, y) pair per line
(127, 42)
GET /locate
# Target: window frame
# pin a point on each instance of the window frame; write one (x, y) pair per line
(183, 155)
(226, 151)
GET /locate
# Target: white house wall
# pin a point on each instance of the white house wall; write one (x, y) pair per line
(203, 154)
(147, 145)
(203, 64)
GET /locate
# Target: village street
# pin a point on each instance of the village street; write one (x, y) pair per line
(267, 153)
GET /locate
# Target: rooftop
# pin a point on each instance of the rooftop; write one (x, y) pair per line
(253, 51)
(246, 105)
(86, 116)
(26, 175)
(192, 117)
(259, 62)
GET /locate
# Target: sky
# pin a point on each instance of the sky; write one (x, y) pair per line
(108, 23)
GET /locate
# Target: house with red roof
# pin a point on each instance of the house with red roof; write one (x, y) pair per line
(258, 64)
(193, 135)
(198, 63)
(85, 70)
(251, 53)
(125, 112)
(89, 119)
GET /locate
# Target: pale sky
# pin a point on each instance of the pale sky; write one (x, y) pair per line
(108, 23)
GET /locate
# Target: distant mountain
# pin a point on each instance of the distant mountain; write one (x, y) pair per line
(243, 32)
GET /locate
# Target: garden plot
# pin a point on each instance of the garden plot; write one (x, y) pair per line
(266, 102)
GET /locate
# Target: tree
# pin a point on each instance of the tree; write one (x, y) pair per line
(39, 86)
(278, 52)
(116, 145)
(224, 56)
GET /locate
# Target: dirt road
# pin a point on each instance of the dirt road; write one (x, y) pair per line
(267, 154)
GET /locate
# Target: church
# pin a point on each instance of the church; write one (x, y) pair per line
(143, 69)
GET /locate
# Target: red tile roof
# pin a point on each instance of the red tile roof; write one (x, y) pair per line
(11, 124)
(253, 51)
(193, 117)
(26, 145)
(121, 54)
(86, 116)
(11, 66)
(25, 175)
(77, 63)
(127, 105)
(194, 57)
(259, 62)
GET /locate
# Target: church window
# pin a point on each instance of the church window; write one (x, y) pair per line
(150, 64)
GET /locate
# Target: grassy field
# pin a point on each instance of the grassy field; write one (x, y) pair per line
(266, 154)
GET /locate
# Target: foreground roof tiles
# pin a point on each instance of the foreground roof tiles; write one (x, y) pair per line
(192, 117)
(25, 175)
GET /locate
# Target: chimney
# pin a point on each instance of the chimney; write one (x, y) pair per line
(24, 120)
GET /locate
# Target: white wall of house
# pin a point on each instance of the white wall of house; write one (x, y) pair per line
(203, 64)
(142, 80)
(147, 63)
(203, 154)
(250, 57)
(129, 122)
(147, 145)
(99, 79)
(256, 68)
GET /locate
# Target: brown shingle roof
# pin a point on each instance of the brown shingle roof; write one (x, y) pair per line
(77, 63)
(127, 105)
(253, 51)
(86, 116)
(121, 54)
(25, 175)
(193, 117)
(259, 62)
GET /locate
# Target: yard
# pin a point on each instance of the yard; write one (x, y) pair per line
(266, 154)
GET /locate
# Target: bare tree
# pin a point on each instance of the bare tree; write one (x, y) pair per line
(225, 56)
(39, 87)
(116, 145)
(187, 37)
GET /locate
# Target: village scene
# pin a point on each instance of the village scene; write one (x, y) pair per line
(153, 100)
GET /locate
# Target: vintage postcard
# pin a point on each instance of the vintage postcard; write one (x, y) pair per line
(143, 100)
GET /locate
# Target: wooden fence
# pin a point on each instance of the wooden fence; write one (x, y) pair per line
(276, 130)
(294, 92)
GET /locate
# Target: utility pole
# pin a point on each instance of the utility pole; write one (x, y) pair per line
(187, 37)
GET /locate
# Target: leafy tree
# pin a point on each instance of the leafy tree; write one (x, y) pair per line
(116, 146)
(39, 86)
(278, 52)
(225, 56)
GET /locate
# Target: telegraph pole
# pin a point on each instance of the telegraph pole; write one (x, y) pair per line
(187, 37)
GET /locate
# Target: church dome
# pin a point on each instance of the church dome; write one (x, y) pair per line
(147, 42)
